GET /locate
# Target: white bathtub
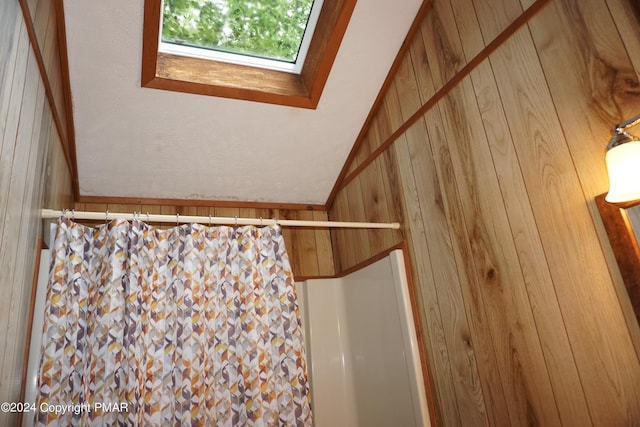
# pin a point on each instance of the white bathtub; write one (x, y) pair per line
(362, 350)
(361, 345)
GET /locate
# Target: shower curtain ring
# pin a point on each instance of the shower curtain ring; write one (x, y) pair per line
(177, 218)
(260, 221)
(209, 220)
(236, 220)
(147, 217)
(106, 216)
(73, 214)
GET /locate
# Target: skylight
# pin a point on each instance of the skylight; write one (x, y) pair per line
(203, 72)
(271, 34)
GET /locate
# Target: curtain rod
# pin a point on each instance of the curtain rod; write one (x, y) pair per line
(177, 218)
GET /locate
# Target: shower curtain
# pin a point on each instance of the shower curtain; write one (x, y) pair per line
(194, 325)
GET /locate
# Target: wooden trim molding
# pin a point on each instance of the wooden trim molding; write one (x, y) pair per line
(207, 77)
(198, 203)
(415, 26)
(58, 7)
(414, 309)
(32, 304)
(374, 258)
(625, 246)
(422, 346)
(68, 147)
(344, 179)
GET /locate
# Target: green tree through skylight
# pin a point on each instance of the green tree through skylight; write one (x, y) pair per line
(266, 28)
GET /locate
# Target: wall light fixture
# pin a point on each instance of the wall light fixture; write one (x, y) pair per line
(623, 163)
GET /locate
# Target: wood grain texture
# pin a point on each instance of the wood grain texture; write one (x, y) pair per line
(344, 178)
(373, 118)
(541, 293)
(442, 290)
(11, 109)
(29, 329)
(497, 178)
(40, 20)
(626, 14)
(501, 290)
(605, 90)
(360, 239)
(310, 251)
(197, 203)
(341, 238)
(625, 247)
(448, 285)
(32, 163)
(324, 250)
(581, 278)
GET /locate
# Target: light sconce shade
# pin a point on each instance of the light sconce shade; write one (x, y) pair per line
(623, 164)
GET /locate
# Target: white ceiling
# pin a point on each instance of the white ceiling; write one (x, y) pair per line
(148, 143)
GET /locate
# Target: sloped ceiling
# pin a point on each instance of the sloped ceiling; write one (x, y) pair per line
(147, 143)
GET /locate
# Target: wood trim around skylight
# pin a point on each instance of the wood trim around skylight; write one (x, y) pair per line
(207, 77)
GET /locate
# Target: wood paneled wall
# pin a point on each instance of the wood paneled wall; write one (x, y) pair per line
(32, 168)
(525, 317)
(522, 307)
(309, 249)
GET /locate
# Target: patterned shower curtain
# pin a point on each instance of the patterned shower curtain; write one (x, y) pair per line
(190, 326)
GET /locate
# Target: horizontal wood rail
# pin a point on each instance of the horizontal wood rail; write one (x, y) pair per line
(344, 178)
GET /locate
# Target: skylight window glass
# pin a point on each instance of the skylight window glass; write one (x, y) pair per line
(272, 34)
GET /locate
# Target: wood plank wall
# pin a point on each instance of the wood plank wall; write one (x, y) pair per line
(32, 169)
(309, 249)
(525, 317)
